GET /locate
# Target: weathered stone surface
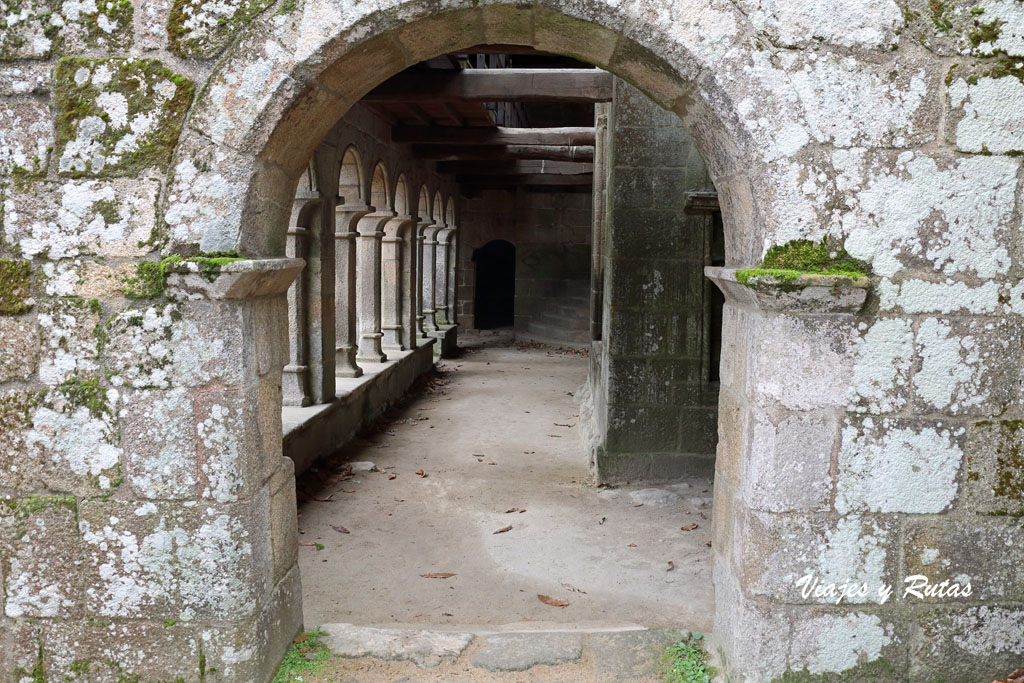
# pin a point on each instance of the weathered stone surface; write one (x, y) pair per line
(967, 643)
(199, 29)
(788, 466)
(521, 651)
(881, 371)
(425, 648)
(166, 561)
(862, 645)
(629, 655)
(139, 352)
(26, 134)
(19, 355)
(158, 438)
(896, 465)
(41, 549)
(967, 27)
(779, 551)
(117, 117)
(994, 482)
(977, 552)
(77, 218)
(872, 24)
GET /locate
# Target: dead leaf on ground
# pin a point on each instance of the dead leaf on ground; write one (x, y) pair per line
(708, 544)
(554, 602)
(555, 436)
(511, 510)
(340, 529)
(422, 473)
(299, 639)
(671, 566)
(392, 476)
(562, 425)
(688, 527)
(324, 500)
(438, 575)
(1016, 677)
(631, 545)
(529, 452)
(703, 516)
(307, 544)
(504, 529)
(572, 588)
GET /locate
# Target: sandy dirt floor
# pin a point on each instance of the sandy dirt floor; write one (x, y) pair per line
(491, 442)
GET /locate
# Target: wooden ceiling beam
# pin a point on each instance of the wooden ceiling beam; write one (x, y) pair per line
(539, 179)
(441, 135)
(496, 85)
(508, 152)
(497, 168)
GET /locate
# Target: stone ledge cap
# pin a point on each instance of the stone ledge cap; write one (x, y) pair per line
(809, 293)
(246, 279)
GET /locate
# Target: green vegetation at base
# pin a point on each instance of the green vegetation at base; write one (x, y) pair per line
(787, 262)
(687, 662)
(880, 670)
(15, 286)
(306, 656)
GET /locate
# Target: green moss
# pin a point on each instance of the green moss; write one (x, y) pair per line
(28, 506)
(40, 19)
(787, 262)
(151, 276)
(1006, 67)
(305, 657)
(108, 209)
(985, 33)
(977, 11)
(80, 667)
(38, 672)
(85, 394)
(208, 41)
(1009, 481)
(942, 23)
(880, 670)
(15, 286)
(136, 80)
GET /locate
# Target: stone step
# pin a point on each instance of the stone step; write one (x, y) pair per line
(603, 653)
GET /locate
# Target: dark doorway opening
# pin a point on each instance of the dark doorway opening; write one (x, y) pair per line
(495, 285)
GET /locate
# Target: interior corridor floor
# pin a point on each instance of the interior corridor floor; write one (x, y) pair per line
(491, 442)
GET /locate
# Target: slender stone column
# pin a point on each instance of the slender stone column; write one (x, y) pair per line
(429, 275)
(295, 379)
(453, 271)
(320, 264)
(418, 285)
(391, 283)
(368, 287)
(345, 218)
(441, 277)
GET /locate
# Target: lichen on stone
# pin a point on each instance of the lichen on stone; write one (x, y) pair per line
(15, 287)
(200, 28)
(117, 117)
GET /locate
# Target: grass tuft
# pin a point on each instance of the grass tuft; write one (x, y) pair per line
(306, 657)
(687, 662)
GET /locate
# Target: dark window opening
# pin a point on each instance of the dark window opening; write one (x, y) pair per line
(717, 300)
(495, 285)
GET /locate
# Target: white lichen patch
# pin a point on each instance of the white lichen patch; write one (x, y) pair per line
(75, 218)
(837, 642)
(30, 29)
(26, 134)
(168, 563)
(990, 113)
(884, 355)
(896, 466)
(958, 364)
(203, 27)
(988, 631)
(1008, 19)
(158, 436)
(219, 429)
(139, 347)
(954, 219)
(202, 206)
(869, 24)
(69, 344)
(922, 296)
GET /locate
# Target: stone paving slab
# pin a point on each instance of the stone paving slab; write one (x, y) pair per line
(521, 651)
(424, 648)
(629, 655)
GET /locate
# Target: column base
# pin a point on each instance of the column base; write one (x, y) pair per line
(294, 386)
(345, 362)
(370, 350)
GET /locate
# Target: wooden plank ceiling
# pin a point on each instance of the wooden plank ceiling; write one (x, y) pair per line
(498, 116)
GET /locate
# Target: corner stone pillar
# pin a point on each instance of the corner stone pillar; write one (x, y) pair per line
(453, 274)
(392, 290)
(346, 216)
(368, 285)
(430, 276)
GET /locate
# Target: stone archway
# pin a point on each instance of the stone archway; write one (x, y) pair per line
(854, 445)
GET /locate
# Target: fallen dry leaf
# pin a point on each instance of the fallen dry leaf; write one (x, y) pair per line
(438, 575)
(671, 566)
(562, 425)
(392, 476)
(708, 544)
(555, 436)
(504, 529)
(422, 473)
(631, 545)
(299, 639)
(688, 527)
(573, 589)
(340, 529)
(554, 602)
(511, 510)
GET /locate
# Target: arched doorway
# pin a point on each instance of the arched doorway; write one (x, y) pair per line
(494, 305)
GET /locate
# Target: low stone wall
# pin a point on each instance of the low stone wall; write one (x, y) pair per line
(314, 432)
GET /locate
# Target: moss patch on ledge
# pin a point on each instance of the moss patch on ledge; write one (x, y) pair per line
(787, 262)
(197, 28)
(151, 276)
(15, 286)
